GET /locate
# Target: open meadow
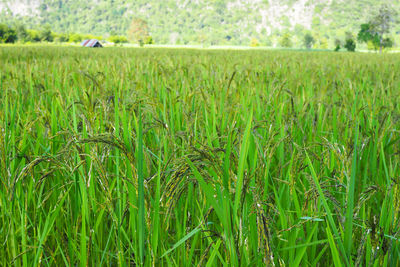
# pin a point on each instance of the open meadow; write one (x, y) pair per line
(185, 157)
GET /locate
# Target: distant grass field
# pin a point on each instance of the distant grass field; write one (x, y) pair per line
(167, 157)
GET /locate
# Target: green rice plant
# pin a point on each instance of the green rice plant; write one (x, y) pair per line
(185, 157)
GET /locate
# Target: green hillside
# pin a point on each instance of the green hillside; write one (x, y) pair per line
(210, 22)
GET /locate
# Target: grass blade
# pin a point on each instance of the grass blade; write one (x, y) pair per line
(141, 213)
(180, 242)
(242, 161)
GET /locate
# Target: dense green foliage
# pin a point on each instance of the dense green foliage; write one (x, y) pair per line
(19, 33)
(223, 22)
(308, 40)
(375, 30)
(350, 45)
(369, 36)
(173, 157)
(118, 39)
(7, 34)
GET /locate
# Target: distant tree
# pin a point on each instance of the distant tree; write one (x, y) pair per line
(387, 42)
(338, 44)
(149, 40)
(308, 40)
(254, 42)
(22, 33)
(60, 38)
(3, 32)
(75, 38)
(45, 34)
(91, 36)
(117, 39)
(33, 35)
(286, 40)
(368, 35)
(12, 36)
(323, 43)
(138, 31)
(7, 34)
(381, 24)
(350, 44)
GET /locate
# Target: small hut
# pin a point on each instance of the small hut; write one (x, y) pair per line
(91, 43)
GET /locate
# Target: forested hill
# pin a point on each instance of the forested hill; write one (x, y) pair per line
(225, 22)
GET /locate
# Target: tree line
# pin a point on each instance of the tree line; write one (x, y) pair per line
(20, 34)
(138, 32)
(375, 34)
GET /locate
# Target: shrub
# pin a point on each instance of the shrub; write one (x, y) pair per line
(7, 34)
(117, 39)
(254, 42)
(75, 38)
(350, 45)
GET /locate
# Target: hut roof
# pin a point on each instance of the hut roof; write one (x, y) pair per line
(91, 43)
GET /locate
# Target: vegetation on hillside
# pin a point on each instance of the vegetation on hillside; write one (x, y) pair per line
(19, 33)
(211, 22)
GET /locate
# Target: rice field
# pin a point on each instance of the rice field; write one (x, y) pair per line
(184, 157)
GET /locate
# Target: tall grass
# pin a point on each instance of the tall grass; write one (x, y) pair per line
(166, 157)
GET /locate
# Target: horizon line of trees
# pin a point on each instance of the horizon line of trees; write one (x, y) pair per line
(20, 34)
(374, 33)
(369, 34)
